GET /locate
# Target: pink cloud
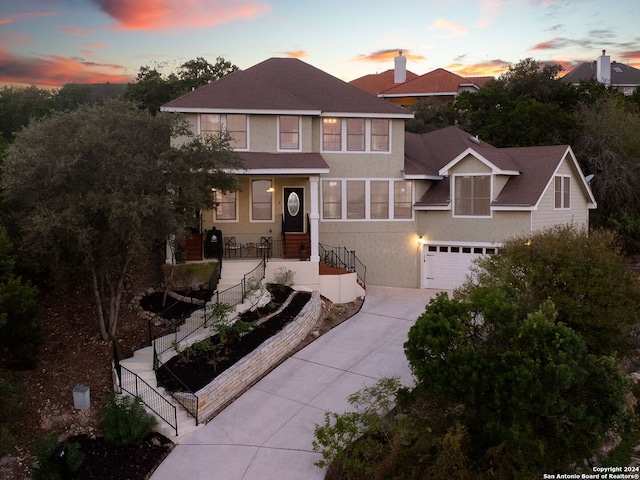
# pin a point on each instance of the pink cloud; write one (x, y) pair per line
(21, 16)
(161, 14)
(448, 28)
(492, 68)
(297, 54)
(55, 71)
(388, 55)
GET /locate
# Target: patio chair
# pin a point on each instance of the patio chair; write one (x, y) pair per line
(230, 245)
(264, 247)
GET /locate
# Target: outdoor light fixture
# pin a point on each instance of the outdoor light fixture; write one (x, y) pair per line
(271, 189)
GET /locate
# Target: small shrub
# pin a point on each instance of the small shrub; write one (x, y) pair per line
(45, 467)
(284, 276)
(125, 422)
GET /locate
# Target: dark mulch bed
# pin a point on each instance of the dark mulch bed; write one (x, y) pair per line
(105, 462)
(173, 308)
(200, 370)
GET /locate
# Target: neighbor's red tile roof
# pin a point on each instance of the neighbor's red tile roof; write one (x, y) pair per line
(376, 83)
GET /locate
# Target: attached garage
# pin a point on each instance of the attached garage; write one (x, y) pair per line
(445, 267)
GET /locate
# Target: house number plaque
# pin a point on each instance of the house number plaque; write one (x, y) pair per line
(293, 204)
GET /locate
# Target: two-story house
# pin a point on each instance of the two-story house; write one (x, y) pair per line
(329, 164)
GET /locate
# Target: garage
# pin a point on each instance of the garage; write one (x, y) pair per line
(445, 267)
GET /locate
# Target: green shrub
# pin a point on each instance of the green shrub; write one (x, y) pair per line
(125, 422)
(45, 467)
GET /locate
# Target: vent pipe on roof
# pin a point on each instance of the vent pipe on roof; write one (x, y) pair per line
(603, 68)
(400, 68)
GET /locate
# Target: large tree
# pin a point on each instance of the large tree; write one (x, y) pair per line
(91, 191)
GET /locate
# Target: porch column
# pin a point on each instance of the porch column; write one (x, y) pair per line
(314, 217)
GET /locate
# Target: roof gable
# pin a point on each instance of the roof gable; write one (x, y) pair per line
(285, 84)
(621, 74)
(438, 81)
(379, 82)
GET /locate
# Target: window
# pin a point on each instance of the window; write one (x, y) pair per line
(402, 199)
(289, 126)
(226, 206)
(331, 199)
(355, 199)
(355, 134)
(379, 199)
(332, 134)
(234, 125)
(261, 200)
(472, 195)
(379, 135)
(562, 192)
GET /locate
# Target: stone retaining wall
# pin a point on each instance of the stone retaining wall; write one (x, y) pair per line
(235, 380)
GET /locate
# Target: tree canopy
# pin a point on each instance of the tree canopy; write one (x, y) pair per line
(93, 190)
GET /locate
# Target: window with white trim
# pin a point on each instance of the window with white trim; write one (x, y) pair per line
(356, 135)
(226, 206)
(261, 200)
(233, 124)
(289, 132)
(472, 195)
(562, 192)
(357, 199)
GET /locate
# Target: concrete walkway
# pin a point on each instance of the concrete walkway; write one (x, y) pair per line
(266, 434)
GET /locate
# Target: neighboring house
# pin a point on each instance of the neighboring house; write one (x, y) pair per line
(327, 163)
(623, 77)
(404, 88)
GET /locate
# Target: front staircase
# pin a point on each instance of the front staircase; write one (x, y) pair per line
(292, 243)
(138, 378)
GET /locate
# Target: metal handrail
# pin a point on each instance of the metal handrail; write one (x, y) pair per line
(190, 406)
(341, 257)
(153, 400)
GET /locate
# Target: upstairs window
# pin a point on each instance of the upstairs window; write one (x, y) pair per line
(289, 128)
(356, 135)
(379, 135)
(234, 125)
(472, 195)
(332, 134)
(562, 192)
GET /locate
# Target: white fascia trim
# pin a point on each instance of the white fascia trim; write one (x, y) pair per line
(470, 151)
(514, 208)
(430, 94)
(426, 208)
(281, 171)
(245, 111)
(447, 243)
(366, 115)
(421, 176)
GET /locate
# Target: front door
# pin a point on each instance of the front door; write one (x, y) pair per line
(293, 210)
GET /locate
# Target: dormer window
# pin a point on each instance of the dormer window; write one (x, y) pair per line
(562, 192)
(472, 195)
(234, 125)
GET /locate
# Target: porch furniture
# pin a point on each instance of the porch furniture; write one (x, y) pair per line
(230, 245)
(264, 247)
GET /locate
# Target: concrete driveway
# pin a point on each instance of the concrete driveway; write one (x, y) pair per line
(266, 434)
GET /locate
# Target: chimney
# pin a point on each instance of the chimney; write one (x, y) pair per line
(400, 68)
(603, 69)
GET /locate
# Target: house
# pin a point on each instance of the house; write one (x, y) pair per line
(621, 76)
(329, 165)
(404, 88)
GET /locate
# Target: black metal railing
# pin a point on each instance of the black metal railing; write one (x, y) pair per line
(154, 401)
(341, 257)
(186, 397)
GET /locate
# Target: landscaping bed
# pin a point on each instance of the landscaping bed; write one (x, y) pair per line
(196, 367)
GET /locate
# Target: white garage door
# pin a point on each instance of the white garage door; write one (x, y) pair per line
(445, 267)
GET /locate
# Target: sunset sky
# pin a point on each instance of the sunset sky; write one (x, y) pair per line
(52, 42)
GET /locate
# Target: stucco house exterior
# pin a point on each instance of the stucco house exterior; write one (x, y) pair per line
(330, 164)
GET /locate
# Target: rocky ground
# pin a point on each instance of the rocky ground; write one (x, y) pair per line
(73, 353)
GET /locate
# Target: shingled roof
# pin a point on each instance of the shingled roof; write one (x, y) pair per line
(284, 85)
(530, 169)
(622, 75)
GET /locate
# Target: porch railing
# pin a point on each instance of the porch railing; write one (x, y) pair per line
(341, 257)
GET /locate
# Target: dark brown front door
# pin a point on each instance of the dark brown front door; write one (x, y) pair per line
(294, 210)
